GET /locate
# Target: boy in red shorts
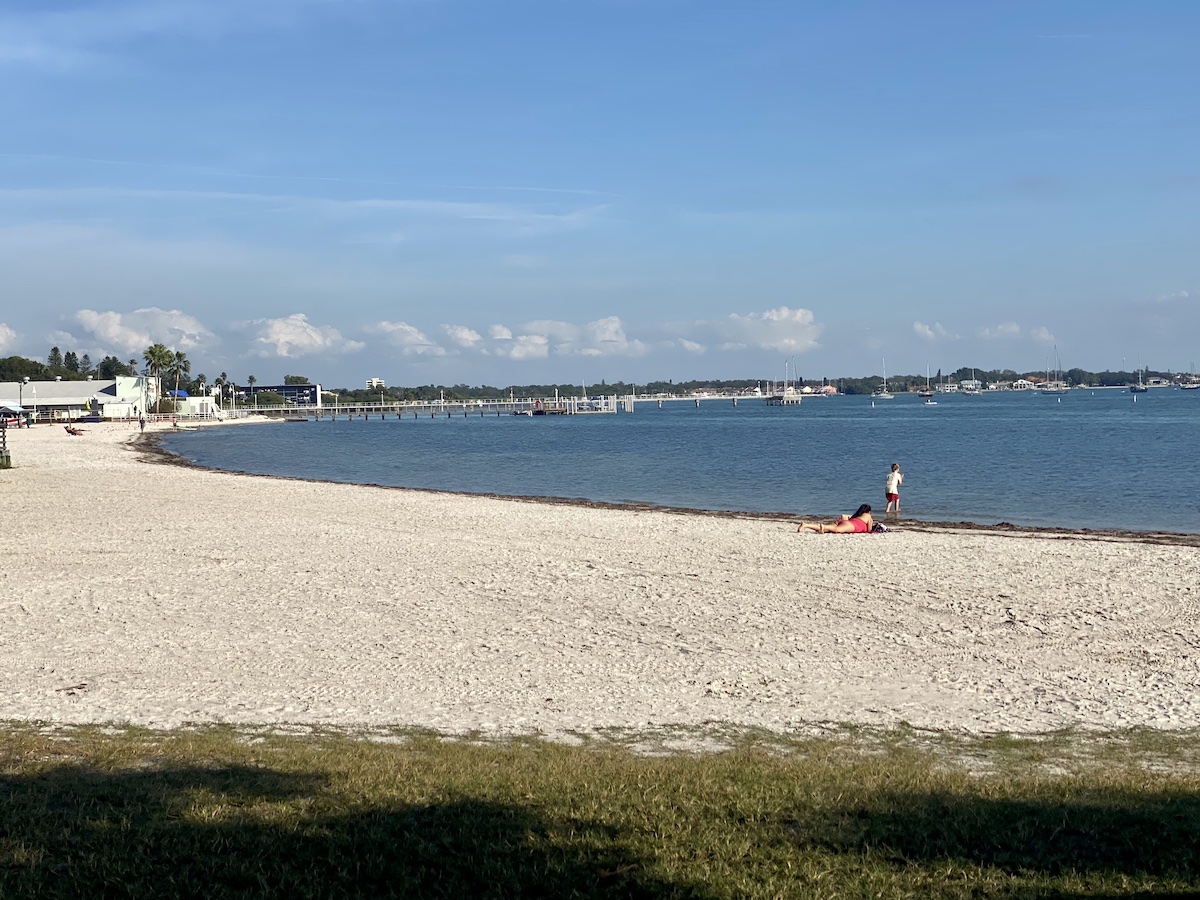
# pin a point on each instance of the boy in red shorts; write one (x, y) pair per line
(892, 489)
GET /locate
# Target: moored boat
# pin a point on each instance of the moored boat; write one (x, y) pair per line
(881, 393)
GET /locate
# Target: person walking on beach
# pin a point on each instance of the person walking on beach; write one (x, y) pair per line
(892, 489)
(142, 423)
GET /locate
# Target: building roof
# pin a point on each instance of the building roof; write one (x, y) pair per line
(72, 393)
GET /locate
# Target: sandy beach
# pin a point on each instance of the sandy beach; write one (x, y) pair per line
(155, 594)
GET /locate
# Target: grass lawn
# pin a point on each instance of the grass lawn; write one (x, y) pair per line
(223, 812)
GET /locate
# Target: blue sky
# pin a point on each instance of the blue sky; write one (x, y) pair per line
(446, 191)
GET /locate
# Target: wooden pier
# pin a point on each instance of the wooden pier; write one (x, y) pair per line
(433, 409)
(449, 409)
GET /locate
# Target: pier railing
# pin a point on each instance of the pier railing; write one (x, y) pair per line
(568, 406)
(525, 406)
(550, 406)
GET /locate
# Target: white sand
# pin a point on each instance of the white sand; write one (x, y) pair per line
(161, 595)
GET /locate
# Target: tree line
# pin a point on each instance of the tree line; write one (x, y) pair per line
(173, 370)
(862, 385)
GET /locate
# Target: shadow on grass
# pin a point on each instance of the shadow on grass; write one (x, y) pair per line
(209, 833)
(1104, 835)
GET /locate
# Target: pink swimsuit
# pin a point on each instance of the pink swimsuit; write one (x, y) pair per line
(860, 526)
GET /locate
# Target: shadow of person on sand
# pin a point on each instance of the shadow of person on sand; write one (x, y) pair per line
(1100, 836)
(245, 832)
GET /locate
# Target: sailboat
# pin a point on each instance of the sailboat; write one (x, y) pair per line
(928, 391)
(882, 393)
(786, 394)
(1055, 385)
(973, 389)
(1191, 384)
(1138, 388)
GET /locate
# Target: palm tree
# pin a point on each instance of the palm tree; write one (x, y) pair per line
(179, 366)
(157, 357)
(250, 380)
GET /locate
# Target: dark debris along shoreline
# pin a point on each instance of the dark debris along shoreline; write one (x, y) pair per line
(152, 451)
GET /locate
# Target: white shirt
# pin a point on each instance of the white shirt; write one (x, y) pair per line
(894, 480)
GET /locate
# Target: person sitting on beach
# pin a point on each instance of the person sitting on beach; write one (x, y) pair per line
(858, 523)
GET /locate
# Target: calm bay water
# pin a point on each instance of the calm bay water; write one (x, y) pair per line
(1090, 459)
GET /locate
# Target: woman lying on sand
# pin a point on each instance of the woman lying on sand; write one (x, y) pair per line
(859, 523)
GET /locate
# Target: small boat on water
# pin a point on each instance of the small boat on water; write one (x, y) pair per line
(882, 392)
(1054, 385)
(926, 391)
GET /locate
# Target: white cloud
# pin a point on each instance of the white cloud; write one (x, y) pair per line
(932, 332)
(783, 329)
(1011, 331)
(607, 336)
(294, 336)
(526, 219)
(1003, 331)
(691, 346)
(463, 336)
(537, 339)
(553, 329)
(65, 340)
(71, 35)
(411, 340)
(522, 346)
(526, 346)
(385, 221)
(8, 337)
(61, 338)
(132, 332)
(1173, 297)
(603, 337)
